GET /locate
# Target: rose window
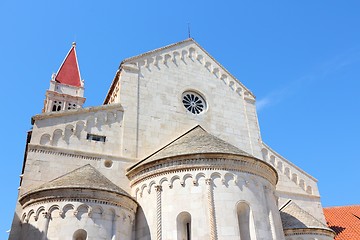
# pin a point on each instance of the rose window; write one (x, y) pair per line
(193, 102)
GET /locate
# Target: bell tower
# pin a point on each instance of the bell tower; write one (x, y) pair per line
(66, 89)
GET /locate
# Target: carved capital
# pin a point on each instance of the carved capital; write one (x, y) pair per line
(208, 181)
(46, 214)
(158, 188)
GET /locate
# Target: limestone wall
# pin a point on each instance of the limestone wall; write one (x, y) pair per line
(65, 219)
(151, 88)
(211, 198)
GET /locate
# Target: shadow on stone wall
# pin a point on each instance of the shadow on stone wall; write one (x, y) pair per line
(142, 230)
(24, 231)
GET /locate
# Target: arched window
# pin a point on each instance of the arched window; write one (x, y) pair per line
(246, 225)
(80, 234)
(184, 226)
(57, 106)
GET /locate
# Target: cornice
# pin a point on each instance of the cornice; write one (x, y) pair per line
(203, 162)
(310, 231)
(116, 106)
(35, 148)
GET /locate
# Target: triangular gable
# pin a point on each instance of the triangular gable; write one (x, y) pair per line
(199, 53)
(194, 141)
(84, 177)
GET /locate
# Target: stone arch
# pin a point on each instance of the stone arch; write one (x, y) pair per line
(23, 218)
(45, 139)
(265, 154)
(287, 172)
(198, 177)
(69, 130)
(208, 66)
(309, 190)
(200, 58)
(79, 127)
(80, 234)
(53, 208)
(164, 179)
(238, 90)
(224, 78)
(157, 60)
(294, 178)
(137, 192)
(173, 179)
(110, 118)
(232, 84)
(245, 221)
(149, 61)
(280, 166)
(82, 209)
(228, 177)
(100, 120)
(166, 59)
(186, 176)
(176, 54)
(57, 134)
(97, 212)
(90, 123)
(302, 184)
(216, 72)
(192, 53)
(142, 189)
(184, 54)
(272, 160)
(216, 175)
(150, 185)
(183, 222)
(254, 181)
(30, 213)
(38, 212)
(67, 208)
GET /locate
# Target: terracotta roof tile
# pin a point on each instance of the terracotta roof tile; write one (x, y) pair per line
(345, 221)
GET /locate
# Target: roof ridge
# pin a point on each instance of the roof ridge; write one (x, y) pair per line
(77, 179)
(139, 162)
(194, 141)
(302, 217)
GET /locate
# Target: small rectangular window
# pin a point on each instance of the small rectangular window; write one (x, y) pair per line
(96, 138)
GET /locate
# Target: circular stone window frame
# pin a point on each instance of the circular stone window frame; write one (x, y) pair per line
(194, 110)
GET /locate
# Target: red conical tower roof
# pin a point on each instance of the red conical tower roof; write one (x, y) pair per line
(69, 73)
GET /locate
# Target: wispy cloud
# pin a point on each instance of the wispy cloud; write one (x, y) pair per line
(323, 71)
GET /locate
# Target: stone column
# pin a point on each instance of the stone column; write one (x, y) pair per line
(274, 215)
(45, 226)
(158, 189)
(211, 209)
(114, 226)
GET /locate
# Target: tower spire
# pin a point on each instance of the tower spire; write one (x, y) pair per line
(66, 90)
(69, 72)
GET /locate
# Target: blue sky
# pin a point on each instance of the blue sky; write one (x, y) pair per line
(300, 58)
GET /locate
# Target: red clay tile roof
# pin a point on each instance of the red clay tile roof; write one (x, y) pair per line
(69, 73)
(345, 221)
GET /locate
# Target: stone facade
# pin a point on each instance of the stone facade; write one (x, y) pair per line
(175, 152)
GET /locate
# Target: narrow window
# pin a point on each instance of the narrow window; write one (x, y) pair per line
(57, 106)
(80, 234)
(246, 228)
(184, 226)
(95, 138)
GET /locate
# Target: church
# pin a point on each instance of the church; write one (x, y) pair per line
(174, 153)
